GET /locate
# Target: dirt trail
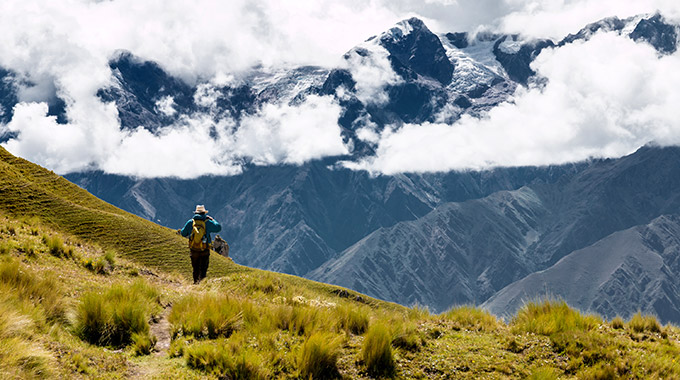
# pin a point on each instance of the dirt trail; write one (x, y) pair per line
(161, 330)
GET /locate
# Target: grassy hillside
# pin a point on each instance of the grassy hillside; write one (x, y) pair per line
(78, 300)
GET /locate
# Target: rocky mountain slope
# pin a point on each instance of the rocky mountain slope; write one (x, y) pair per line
(407, 238)
(77, 300)
(485, 244)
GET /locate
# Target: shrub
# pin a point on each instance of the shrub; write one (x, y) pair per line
(206, 316)
(142, 344)
(641, 323)
(352, 319)
(552, 317)
(376, 351)
(471, 318)
(220, 359)
(319, 356)
(112, 318)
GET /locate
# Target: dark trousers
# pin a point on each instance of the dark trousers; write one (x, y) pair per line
(200, 265)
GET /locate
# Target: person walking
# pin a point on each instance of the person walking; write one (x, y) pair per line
(198, 230)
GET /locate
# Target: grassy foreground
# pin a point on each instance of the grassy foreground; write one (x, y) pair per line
(89, 291)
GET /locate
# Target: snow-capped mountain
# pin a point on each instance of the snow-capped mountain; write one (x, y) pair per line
(434, 239)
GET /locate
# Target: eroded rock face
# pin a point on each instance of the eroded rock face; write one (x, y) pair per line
(220, 246)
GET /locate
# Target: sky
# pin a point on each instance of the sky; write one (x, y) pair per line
(617, 100)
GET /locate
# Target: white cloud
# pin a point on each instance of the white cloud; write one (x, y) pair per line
(557, 18)
(371, 72)
(294, 135)
(605, 98)
(166, 106)
(63, 46)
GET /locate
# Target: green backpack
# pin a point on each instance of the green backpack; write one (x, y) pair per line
(198, 240)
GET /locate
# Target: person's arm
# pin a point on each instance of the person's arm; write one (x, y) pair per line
(186, 230)
(214, 225)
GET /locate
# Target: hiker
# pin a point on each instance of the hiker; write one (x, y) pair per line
(198, 230)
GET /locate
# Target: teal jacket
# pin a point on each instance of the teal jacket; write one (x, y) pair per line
(211, 226)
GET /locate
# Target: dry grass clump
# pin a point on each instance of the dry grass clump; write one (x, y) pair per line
(376, 351)
(40, 290)
(19, 357)
(224, 359)
(207, 315)
(617, 323)
(471, 318)
(406, 336)
(640, 323)
(142, 344)
(299, 319)
(352, 318)
(113, 317)
(318, 357)
(544, 373)
(55, 246)
(552, 317)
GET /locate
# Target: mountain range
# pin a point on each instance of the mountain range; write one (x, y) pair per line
(597, 233)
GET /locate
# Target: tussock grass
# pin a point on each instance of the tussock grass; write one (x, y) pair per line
(113, 317)
(551, 317)
(20, 358)
(406, 336)
(207, 315)
(55, 245)
(40, 290)
(640, 323)
(352, 318)
(319, 356)
(6, 247)
(299, 319)
(471, 318)
(224, 359)
(376, 351)
(142, 344)
(618, 323)
(544, 373)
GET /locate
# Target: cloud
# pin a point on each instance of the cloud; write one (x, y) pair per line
(557, 18)
(371, 71)
(604, 98)
(292, 135)
(62, 48)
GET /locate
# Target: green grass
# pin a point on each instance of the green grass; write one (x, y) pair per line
(352, 318)
(376, 351)
(114, 317)
(30, 191)
(90, 311)
(552, 317)
(641, 323)
(319, 356)
(224, 359)
(471, 318)
(207, 315)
